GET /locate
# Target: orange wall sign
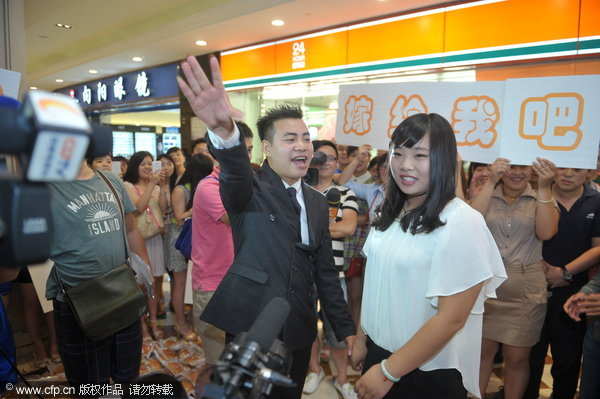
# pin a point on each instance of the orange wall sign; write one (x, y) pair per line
(472, 33)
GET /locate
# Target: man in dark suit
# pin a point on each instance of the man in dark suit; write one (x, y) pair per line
(280, 225)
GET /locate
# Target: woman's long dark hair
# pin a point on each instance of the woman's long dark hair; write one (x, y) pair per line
(442, 172)
(133, 173)
(196, 168)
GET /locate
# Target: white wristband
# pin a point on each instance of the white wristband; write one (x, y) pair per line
(386, 373)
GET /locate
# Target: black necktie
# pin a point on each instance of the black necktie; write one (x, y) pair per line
(292, 193)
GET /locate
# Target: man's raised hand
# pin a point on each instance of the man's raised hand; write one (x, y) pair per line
(209, 101)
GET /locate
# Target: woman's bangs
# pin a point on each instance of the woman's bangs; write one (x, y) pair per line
(407, 138)
(407, 135)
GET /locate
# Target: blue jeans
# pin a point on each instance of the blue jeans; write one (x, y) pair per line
(590, 372)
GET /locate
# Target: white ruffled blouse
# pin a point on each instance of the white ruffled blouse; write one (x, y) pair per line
(406, 274)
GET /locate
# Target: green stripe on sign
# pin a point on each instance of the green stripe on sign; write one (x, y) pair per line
(589, 44)
(512, 52)
(423, 62)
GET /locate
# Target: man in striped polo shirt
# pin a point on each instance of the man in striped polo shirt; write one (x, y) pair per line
(342, 218)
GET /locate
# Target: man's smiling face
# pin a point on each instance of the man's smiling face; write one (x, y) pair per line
(290, 151)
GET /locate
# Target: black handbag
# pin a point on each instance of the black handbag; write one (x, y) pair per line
(108, 303)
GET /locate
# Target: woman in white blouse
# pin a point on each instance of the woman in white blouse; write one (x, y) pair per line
(431, 263)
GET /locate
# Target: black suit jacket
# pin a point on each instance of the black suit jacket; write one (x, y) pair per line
(270, 259)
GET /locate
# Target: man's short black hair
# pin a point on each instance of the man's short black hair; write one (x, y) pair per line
(198, 141)
(283, 111)
(351, 149)
(245, 130)
(320, 143)
(173, 149)
(373, 162)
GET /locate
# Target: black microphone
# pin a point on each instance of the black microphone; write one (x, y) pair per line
(269, 322)
(333, 197)
(333, 200)
(319, 158)
(312, 174)
(245, 361)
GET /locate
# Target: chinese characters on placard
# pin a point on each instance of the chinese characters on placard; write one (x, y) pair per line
(554, 120)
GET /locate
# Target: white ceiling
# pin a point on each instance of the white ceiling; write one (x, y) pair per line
(106, 34)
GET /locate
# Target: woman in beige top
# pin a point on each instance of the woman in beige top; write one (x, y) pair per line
(148, 191)
(519, 219)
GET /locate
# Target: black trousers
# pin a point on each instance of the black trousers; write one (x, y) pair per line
(298, 370)
(117, 357)
(565, 338)
(435, 384)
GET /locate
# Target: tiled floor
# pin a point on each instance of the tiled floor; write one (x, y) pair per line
(325, 389)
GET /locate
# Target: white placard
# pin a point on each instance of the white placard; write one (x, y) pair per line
(9, 83)
(39, 275)
(556, 118)
(369, 113)
(189, 290)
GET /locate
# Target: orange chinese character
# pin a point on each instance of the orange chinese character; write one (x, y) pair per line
(474, 121)
(358, 115)
(553, 121)
(403, 108)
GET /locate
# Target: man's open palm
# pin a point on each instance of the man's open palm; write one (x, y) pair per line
(209, 101)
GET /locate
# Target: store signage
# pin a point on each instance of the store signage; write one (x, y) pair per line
(102, 92)
(520, 119)
(86, 94)
(140, 85)
(118, 88)
(445, 36)
(298, 56)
